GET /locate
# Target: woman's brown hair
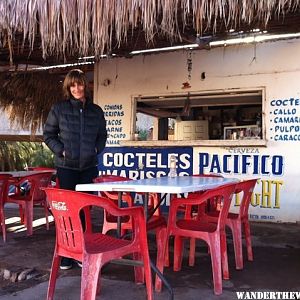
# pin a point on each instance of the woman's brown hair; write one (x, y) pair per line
(74, 76)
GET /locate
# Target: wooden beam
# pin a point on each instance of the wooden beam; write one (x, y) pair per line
(157, 112)
(21, 138)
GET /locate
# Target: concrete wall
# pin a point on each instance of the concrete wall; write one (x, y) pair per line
(274, 66)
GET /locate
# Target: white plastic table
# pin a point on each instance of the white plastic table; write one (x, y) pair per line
(161, 185)
(18, 174)
(170, 185)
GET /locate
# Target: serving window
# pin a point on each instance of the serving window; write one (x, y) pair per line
(226, 115)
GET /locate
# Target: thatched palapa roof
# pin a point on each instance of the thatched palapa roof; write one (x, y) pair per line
(28, 97)
(52, 31)
(65, 28)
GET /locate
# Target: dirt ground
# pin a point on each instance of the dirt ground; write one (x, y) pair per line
(276, 265)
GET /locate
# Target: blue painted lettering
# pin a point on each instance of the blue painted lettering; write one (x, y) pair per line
(225, 166)
(287, 128)
(285, 111)
(245, 163)
(241, 164)
(287, 137)
(286, 120)
(285, 102)
(215, 165)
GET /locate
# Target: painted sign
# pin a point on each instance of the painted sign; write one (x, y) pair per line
(285, 120)
(242, 163)
(114, 115)
(138, 163)
(248, 163)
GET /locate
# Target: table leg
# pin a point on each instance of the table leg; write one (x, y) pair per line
(145, 202)
(119, 221)
(163, 279)
(153, 266)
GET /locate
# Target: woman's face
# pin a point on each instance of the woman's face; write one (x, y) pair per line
(77, 91)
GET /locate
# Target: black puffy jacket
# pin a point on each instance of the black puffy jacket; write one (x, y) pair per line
(77, 130)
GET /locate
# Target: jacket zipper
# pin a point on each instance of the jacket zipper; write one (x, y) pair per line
(81, 135)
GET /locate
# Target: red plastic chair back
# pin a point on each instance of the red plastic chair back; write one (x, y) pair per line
(111, 178)
(65, 209)
(208, 205)
(42, 180)
(4, 187)
(65, 206)
(36, 182)
(45, 169)
(224, 196)
(153, 199)
(224, 193)
(114, 195)
(246, 187)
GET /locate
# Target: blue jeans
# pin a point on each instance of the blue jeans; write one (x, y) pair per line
(69, 178)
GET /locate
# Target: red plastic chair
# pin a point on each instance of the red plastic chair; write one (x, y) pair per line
(4, 185)
(28, 199)
(157, 223)
(109, 221)
(212, 233)
(204, 206)
(93, 249)
(236, 222)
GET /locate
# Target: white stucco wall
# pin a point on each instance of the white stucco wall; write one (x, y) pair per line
(273, 65)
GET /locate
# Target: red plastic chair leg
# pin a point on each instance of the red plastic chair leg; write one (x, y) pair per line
(89, 276)
(248, 240)
(167, 253)
(139, 274)
(161, 241)
(192, 252)
(53, 276)
(46, 215)
(2, 221)
(147, 270)
(22, 215)
(215, 252)
(237, 244)
(224, 257)
(29, 216)
(178, 249)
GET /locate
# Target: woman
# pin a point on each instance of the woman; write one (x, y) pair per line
(75, 131)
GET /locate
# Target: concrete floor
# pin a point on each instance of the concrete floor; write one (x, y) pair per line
(276, 267)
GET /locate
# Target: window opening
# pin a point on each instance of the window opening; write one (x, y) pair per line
(201, 116)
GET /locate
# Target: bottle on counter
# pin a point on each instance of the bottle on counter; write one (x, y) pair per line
(172, 171)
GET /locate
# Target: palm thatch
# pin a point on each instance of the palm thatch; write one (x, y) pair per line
(19, 155)
(92, 26)
(28, 97)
